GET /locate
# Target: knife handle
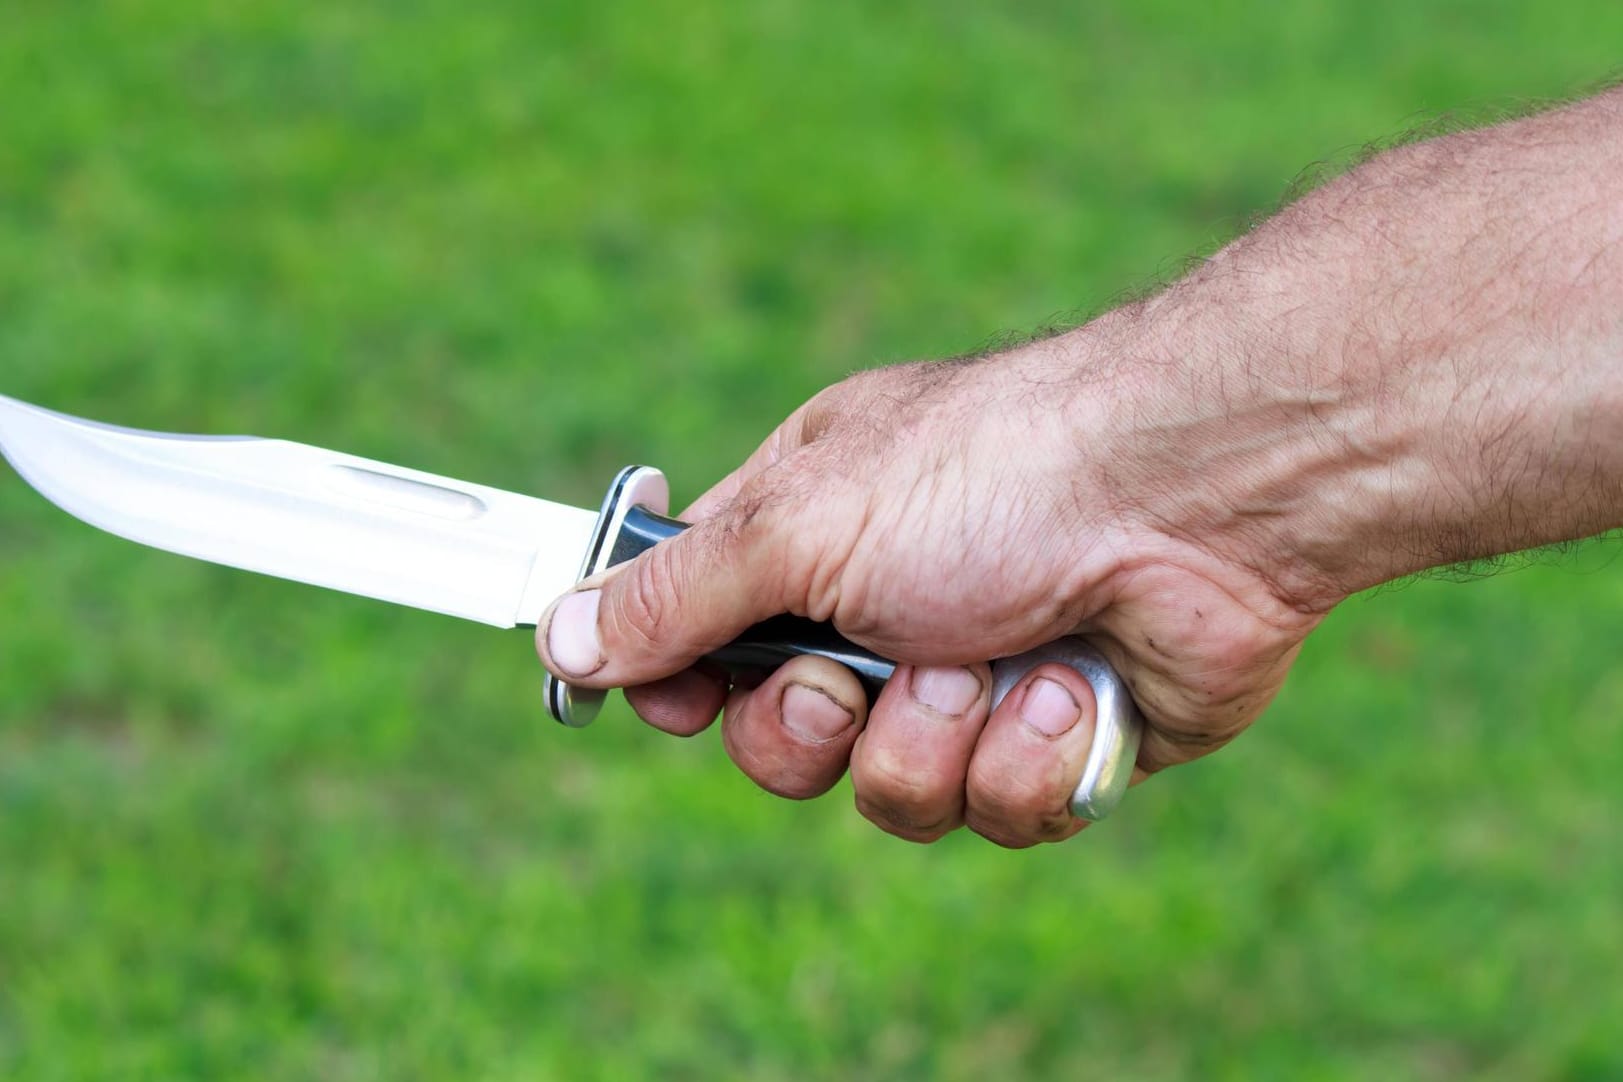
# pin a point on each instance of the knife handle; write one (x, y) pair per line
(631, 523)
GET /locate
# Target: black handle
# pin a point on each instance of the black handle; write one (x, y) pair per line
(767, 645)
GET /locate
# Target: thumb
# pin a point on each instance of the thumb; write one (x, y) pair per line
(654, 616)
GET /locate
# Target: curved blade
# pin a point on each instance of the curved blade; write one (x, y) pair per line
(303, 513)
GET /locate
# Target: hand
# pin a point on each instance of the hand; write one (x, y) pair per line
(1413, 366)
(941, 514)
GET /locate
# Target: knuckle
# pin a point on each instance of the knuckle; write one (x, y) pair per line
(898, 792)
(1017, 812)
(1008, 798)
(1052, 826)
(998, 833)
(901, 825)
(644, 603)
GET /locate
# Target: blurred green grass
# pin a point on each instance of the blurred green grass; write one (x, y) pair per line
(248, 829)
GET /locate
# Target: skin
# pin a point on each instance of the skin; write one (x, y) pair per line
(1418, 364)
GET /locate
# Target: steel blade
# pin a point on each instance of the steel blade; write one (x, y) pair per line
(303, 513)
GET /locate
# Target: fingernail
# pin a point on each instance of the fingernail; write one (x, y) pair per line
(949, 691)
(1049, 709)
(572, 636)
(812, 714)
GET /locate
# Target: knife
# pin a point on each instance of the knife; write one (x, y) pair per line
(401, 535)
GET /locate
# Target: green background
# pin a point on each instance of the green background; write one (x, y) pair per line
(250, 829)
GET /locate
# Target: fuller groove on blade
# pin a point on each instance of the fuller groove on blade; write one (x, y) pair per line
(303, 513)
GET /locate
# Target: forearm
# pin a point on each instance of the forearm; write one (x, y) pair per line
(1418, 364)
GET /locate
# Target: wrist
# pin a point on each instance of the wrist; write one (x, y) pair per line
(1237, 427)
(1336, 406)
